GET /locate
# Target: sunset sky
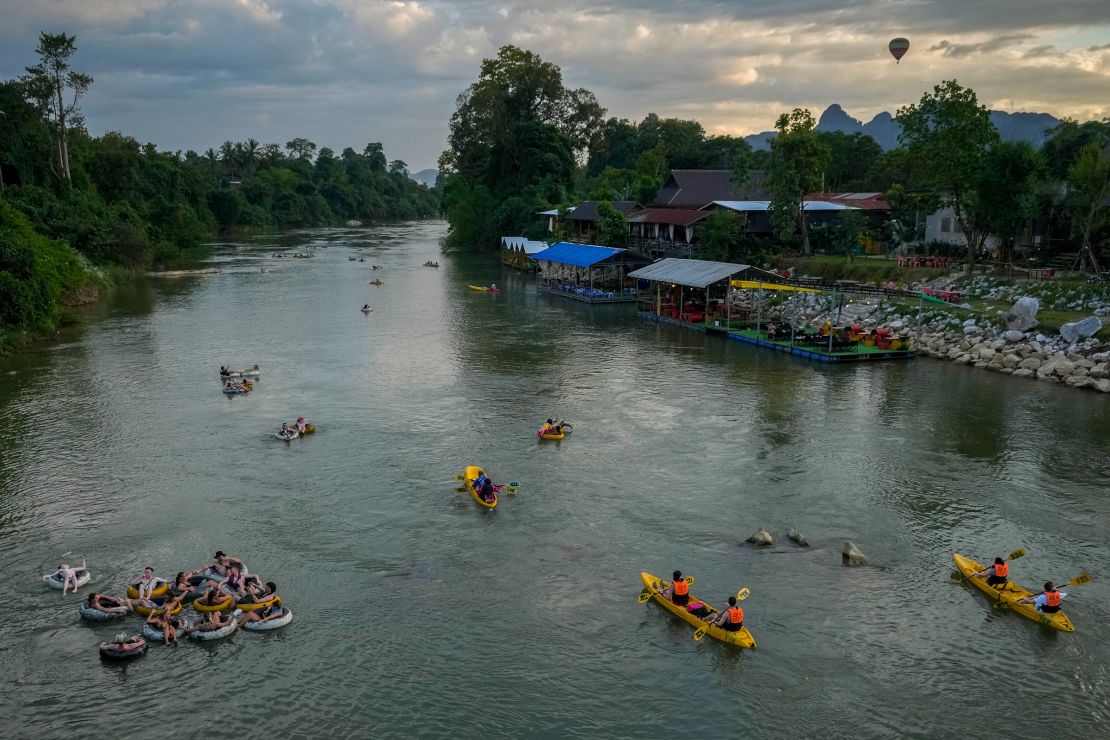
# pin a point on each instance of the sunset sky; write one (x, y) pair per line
(191, 74)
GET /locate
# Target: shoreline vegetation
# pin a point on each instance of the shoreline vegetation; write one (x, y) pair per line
(80, 213)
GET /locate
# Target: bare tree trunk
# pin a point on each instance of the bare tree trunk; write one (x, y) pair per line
(63, 150)
(805, 231)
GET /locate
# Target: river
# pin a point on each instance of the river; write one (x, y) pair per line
(418, 613)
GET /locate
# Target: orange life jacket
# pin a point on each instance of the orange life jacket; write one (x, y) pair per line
(681, 588)
(1052, 598)
(1001, 571)
(735, 614)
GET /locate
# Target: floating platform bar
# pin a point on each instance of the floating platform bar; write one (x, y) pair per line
(859, 353)
(590, 295)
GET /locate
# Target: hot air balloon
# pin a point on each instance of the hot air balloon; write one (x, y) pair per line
(898, 48)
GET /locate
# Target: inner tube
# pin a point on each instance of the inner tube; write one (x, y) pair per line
(133, 591)
(294, 435)
(250, 606)
(146, 611)
(222, 632)
(219, 606)
(156, 635)
(272, 624)
(83, 577)
(112, 651)
(95, 615)
(190, 595)
(558, 436)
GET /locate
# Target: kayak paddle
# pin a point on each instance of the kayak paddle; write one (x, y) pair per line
(1018, 553)
(1080, 580)
(645, 595)
(740, 596)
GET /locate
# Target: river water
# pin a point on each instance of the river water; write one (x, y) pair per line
(418, 613)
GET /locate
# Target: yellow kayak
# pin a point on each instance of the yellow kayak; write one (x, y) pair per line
(1010, 596)
(472, 473)
(483, 289)
(741, 638)
(551, 435)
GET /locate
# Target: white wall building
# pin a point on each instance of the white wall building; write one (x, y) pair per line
(942, 227)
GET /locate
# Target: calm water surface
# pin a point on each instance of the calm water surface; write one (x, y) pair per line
(417, 613)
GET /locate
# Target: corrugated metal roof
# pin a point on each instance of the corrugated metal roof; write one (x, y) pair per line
(676, 216)
(554, 212)
(691, 273)
(696, 188)
(763, 205)
(529, 246)
(578, 255)
(587, 209)
(862, 201)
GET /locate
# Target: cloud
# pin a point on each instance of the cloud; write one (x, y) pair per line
(983, 47)
(193, 73)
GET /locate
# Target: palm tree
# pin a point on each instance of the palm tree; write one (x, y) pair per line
(227, 154)
(211, 156)
(252, 152)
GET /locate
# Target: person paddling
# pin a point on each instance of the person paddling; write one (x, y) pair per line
(1048, 601)
(731, 619)
(679, 590)
(996, 574)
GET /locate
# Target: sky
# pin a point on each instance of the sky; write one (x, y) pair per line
(191, 74)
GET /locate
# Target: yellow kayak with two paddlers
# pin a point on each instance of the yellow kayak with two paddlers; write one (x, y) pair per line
(742, 638)
(1009, 594)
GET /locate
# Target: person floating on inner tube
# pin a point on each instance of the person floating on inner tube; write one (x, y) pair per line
(123, 643)
(265, 614)
(996, 574)
(148, 583)
(109, 604)
(212, 621)
(731, 619)
(224, 371)
(1048, 601)
(301, 424)
(67, 574)
(161, 621)
(213, 596)
(679, 590)
(257, 593)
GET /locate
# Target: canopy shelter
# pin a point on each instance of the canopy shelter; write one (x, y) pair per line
(516, 251)
(691, 291)
(588, 272)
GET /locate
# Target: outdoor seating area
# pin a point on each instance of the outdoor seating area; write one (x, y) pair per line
(948, 296)
(594, 295)
(923, 261)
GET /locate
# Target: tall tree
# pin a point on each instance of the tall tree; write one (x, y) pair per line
(949, 134)
(301, 148)
(612, 228)
(720, 234)
(515, 133)
(55, 88)
(797, 160)
(1006, 194)
(1089, 191)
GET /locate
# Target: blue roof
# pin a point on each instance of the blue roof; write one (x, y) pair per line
(579, 255)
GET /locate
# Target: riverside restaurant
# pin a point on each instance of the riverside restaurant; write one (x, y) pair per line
(733, 300)
(588, 273)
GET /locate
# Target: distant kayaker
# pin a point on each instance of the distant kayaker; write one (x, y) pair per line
(679, 590)
(996, 574)
(731, 619)
(1048, 601)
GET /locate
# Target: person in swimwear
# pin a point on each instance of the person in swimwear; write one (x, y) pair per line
(148, 583)
(68, 575)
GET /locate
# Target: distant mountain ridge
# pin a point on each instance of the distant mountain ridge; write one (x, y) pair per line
(1030, 127)
(426, 178)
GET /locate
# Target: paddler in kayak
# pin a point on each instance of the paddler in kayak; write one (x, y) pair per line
(679, 590)
(485, 488)
(1048, 601)
(731, 619)
(996, 574)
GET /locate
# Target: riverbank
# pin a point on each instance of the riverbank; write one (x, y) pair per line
(1054, 331)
